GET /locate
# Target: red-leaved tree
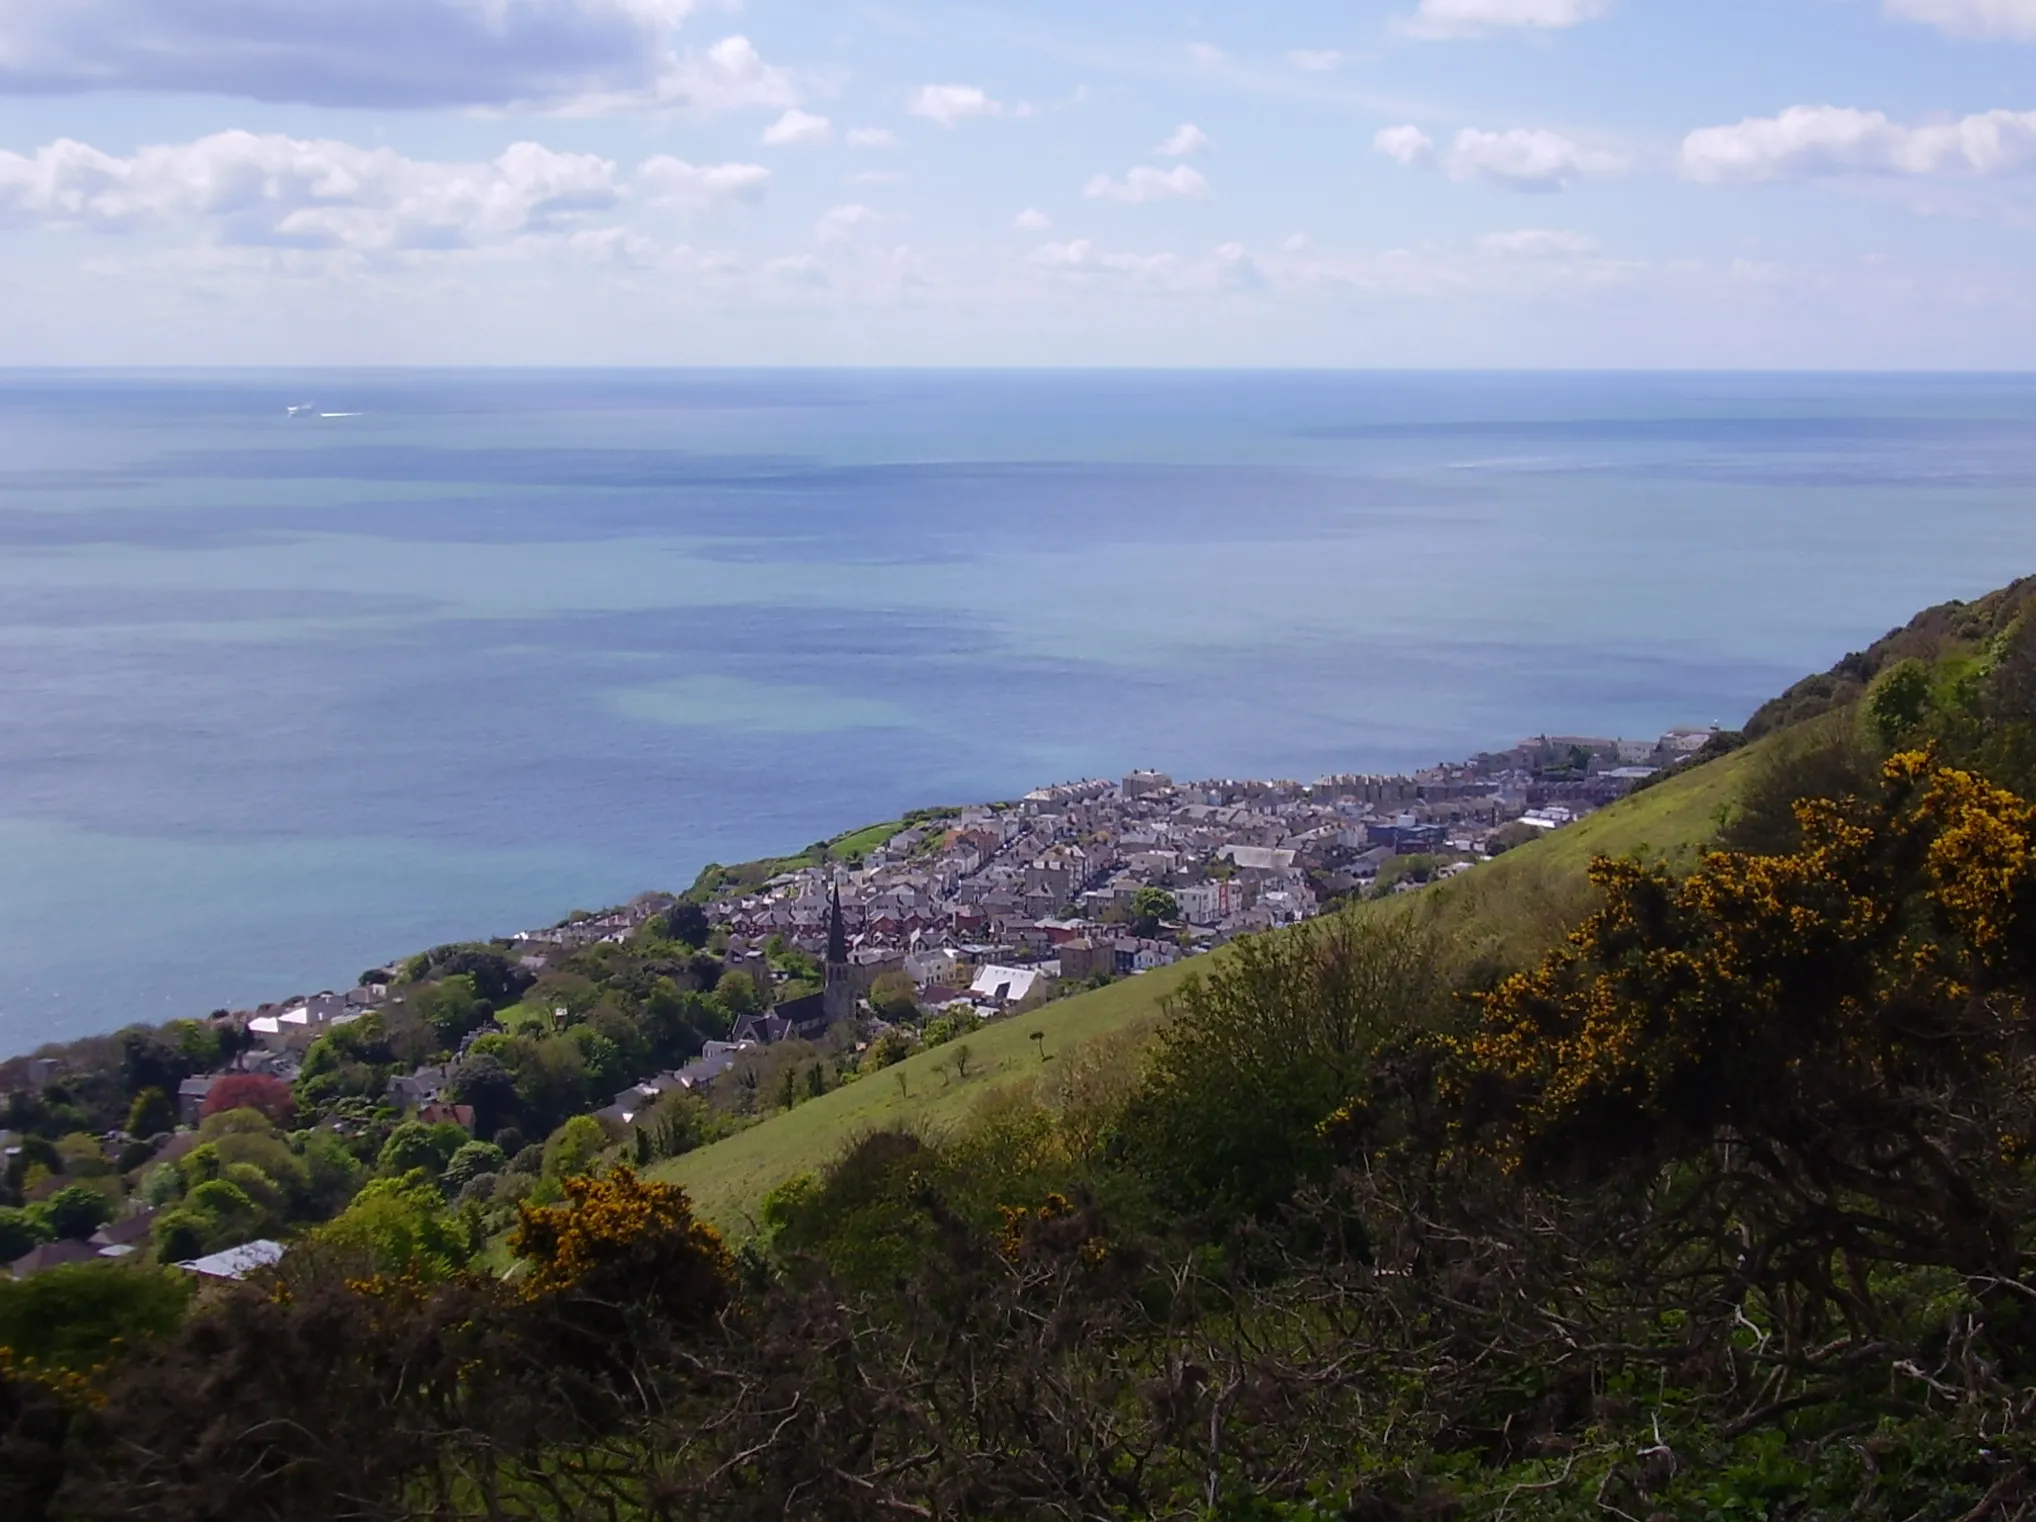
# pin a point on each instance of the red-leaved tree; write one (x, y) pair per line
(252, 1091)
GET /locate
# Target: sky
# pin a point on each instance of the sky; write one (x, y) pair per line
(1804, 184)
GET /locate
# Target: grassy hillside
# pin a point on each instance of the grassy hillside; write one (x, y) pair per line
(1935, 635)
(847, 849)
(727, 1179)
(1523, 900)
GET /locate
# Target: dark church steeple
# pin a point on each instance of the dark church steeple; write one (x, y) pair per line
(837, 932)
(840, 997)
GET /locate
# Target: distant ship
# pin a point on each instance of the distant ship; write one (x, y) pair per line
(304, 409)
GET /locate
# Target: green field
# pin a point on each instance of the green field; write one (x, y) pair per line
(727, 1179)
(1525, 899)
(848, 849)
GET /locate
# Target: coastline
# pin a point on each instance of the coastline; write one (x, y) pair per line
(1533, 769)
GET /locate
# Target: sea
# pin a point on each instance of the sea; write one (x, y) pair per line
(446, 654)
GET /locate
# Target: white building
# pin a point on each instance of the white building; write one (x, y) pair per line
(1006, 985)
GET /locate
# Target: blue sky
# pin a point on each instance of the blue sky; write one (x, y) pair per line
(1741, 183)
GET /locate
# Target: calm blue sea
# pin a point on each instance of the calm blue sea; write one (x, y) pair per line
(283, 697)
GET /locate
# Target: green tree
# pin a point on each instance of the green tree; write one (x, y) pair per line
(472, 1160)
(687, 924)
(889, 1047)
(607, 1062)
(403, 1227)
(895, 997)
(1511, 838)
(450, 1008)
(551, 1079)
(79, 1316)
(20, 1230)
(182, 1234)
(1263, 1048)
(414, 1145)
(151, 1114)
(677, 1124)
(75, 1212)
(1899, 699)
(1151, 908)
(574, 1148)
(738, 993)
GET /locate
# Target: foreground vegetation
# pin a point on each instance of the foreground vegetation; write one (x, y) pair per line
(1706, 1188)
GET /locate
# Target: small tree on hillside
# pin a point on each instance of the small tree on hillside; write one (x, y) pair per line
(151, 1114)
(75, 1212)
(1151, 908)
(687, 924)
(895, 997)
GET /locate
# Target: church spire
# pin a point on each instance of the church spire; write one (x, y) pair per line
(837, 932)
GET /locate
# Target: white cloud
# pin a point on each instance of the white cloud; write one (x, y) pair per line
(1537, 243)
(1186, 140)
(1316, 61)
(1522, 159)
(838, 224)
(872, 137)
(730, 76)
(380, 53)
(1405, 146)
(1972, 18)
(1081, 257)
(1032, 220)
(1145, 183)
(948, 104)
(1234, 269)
(268, 189)
(1808, 141)
(797, 128)
(673, 182)
(1228, 267)
(1480, 18)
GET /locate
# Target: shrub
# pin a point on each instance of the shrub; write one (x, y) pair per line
(624, 1240)
(1266, 1046)
(414, 1145)
(151, 1114)
(472, 1160)
(75, 1212)
(402, 1227)
(79, 1316)
(575, 1148)
(20, 1231)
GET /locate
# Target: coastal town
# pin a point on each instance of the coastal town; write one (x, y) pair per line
(990, 907)
(879, 942)
(980, 904)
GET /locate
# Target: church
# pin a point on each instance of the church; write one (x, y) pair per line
(841, 995)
